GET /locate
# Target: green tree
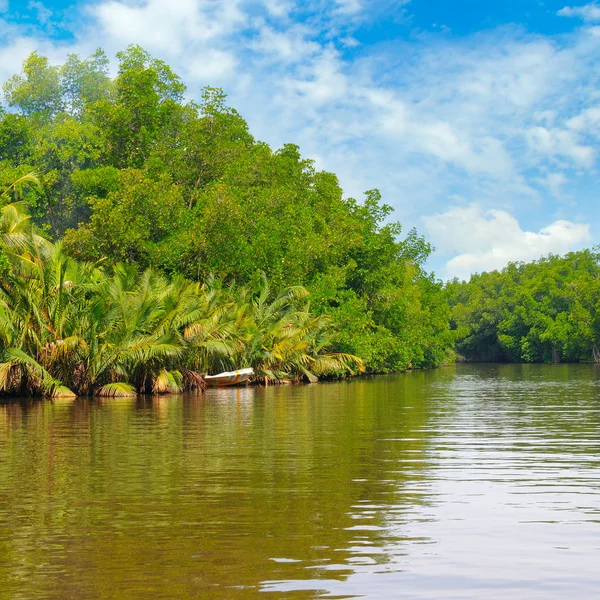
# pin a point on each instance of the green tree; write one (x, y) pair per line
(146, 99)
(84, 82)
(37, 90)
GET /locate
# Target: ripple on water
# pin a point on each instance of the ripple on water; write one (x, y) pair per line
(468, 482)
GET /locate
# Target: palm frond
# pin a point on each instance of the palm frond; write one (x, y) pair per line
(310, 376)
(336, 363)
(167, 382)
(63, 391)
(119, 389)
(19, 185)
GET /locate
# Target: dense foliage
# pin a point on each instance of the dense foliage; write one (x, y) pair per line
(544, 311)
(68, 326)
(134, 174)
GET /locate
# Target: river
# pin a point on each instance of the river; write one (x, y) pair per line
(470, 482)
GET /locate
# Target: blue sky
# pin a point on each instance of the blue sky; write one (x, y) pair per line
(479, 121)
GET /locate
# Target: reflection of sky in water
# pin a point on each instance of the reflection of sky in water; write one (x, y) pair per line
(509, 507)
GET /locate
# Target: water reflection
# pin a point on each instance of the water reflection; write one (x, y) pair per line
(447, 484)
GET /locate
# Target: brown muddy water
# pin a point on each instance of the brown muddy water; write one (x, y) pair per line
(467, 482)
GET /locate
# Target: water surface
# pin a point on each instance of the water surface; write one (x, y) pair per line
(468, 482)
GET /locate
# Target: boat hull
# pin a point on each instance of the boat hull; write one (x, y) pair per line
(240, 377)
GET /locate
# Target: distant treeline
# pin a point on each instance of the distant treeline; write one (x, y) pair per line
(544, 311)
(132, 173)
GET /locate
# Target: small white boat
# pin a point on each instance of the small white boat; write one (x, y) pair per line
(229, 378)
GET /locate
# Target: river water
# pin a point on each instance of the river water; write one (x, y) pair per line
(465, 482)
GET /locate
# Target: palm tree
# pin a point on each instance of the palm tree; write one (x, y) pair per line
(39, 303)
(213, 337)
(16, 229)
(282, 340)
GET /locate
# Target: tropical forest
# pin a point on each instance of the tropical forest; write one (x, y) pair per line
(147, 239)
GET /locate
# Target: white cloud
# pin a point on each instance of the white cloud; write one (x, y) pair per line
(439, 138)
(486, 240)
(210, 65)
(588, 120)
(588, 12)
(13, 54)
(170, 28)
(321, 81)
(349, 42)
(562, 143)
(555, 183)
(349, 7)
(283, 47)
(278, 8)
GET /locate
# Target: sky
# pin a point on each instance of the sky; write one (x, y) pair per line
(478, 120)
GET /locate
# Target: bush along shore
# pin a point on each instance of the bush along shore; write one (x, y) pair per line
(162, 240)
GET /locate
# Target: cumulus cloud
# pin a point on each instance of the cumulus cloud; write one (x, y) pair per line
(588, 120)
(16, 51)
(484, 240)
(291, 46)
(588, 12)
(183, 31)
(43, 13)
(278, 8)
